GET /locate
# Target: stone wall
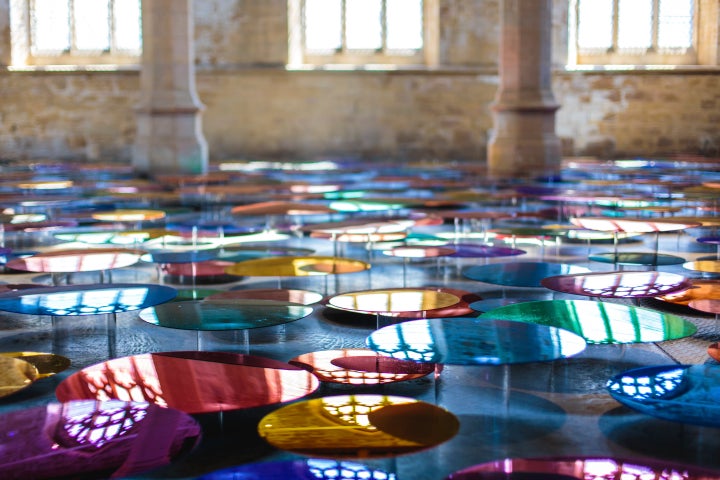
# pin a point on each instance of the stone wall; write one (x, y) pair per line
(256, 108)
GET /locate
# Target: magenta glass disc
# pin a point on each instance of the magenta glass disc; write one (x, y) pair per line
(210, 381)
(86, 439)
(567, 468)
(625, 284)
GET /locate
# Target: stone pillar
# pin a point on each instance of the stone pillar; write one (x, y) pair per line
(169, 135)
(523, 142)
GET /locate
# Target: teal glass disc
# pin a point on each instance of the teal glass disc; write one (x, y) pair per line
(599, 322)
(224, 315)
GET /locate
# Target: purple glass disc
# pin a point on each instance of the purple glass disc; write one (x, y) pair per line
(105, 439)
(469, 250)
(625, 284)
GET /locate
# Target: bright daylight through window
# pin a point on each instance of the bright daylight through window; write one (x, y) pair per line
(633, 32)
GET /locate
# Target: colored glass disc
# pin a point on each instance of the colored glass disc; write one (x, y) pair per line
(574, 468)
(310, 469)
(619, 284)
(472, 341)
(210, 381)
(302, 297)
(85, 299)
(343, 366)
(296, 266)
(86, 260)
(15, 374)
(599, 322)
(88, 439)
(392, 301)
(520, 274)
(237, 314)
(47, 364)
(630, 225)
(680, 393)
(636, 258)
(351, 426)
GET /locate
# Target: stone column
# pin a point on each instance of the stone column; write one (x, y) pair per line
(523, 142)
(169, 135)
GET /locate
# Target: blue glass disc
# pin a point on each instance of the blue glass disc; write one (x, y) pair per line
(472, 341)
(520, 274)
(680, 393)
(224, 315)
(310, 469)
(599, 322)
(75, 300)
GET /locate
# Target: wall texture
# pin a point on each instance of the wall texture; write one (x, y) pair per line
(257, 108)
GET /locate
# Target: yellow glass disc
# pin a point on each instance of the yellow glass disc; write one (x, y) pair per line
(394, 300)
(707, 266)
(129, 215)
(296, 266)
(15, 374)
(47, 364)
(358, 426)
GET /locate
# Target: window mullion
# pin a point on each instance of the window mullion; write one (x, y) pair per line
(615, 25)
(343, 26)
(111, 27)
(383, 26)
(655, 25)
(71, 23)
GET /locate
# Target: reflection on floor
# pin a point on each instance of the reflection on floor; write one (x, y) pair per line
(527, 410)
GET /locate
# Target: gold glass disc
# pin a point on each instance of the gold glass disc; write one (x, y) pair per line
(392, 301)
(15, 374)
(352, 426)
(47, 364)
(296, 266)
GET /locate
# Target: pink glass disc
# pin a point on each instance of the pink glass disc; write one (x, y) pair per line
(420, 252)
(630, 225)
(209, 381)
(619, 284)
(708, 305)
(380, 364)
(210, 268)
(70, 261)
(339, 366)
